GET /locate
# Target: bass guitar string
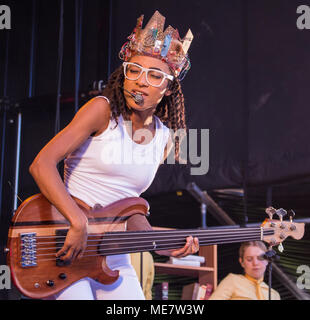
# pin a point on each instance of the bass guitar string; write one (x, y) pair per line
(116, 241)
(160, 246)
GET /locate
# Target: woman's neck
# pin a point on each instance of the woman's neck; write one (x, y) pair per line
(142, 119)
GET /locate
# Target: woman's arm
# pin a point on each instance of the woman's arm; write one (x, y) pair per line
(92, 117)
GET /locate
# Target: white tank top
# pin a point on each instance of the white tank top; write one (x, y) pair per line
(111, 166)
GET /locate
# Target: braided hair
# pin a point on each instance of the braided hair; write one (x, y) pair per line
(170, 110)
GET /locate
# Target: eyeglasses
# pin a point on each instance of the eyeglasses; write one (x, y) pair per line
(154, 77)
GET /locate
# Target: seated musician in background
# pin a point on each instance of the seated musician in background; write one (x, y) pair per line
(249, 286)
(114, 146)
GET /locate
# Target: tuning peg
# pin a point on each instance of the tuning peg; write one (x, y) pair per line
(291, 215)
(280, 247)
(270, 211)
(281, 213)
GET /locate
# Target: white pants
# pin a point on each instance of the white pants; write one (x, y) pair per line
(127, 286)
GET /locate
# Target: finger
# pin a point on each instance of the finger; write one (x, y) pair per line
(188, 245)
(68, 255)
(184, 251)
(75, 254)
(82, 250)
(178, 253)
(196, 241)
(195, 246)
(62, 251)
(190, 249)
(80, 255)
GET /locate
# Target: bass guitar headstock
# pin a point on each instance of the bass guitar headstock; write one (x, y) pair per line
(282, 229)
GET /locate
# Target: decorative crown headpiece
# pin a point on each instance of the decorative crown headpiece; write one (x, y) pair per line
(155, 42)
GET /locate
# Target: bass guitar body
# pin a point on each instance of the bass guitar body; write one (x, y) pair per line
(38, 231)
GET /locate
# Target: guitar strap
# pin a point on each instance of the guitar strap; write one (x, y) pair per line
(82, 203)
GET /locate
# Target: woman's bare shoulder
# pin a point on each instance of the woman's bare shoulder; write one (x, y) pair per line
(97, 109)
(90, 118)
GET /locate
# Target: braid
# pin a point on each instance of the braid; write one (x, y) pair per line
(171, 110)
(113, 91)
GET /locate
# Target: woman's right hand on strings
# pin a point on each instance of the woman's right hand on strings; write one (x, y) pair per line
(75, 243)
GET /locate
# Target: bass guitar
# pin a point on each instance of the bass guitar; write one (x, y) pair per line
(38, 230)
